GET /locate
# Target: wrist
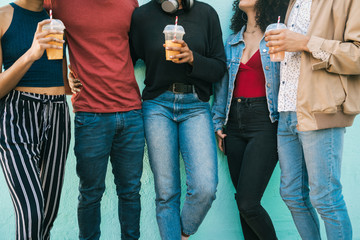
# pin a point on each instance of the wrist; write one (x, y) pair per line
(29, 57)
(305, 44)
(191, 61)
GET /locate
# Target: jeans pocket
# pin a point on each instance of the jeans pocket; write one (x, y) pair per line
(197, 97)
(134, 118)
(260, 108)
(137, 112)
(84, 119)
(233, 112)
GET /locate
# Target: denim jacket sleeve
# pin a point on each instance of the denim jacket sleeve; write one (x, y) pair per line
(220, 100)
(222, 89)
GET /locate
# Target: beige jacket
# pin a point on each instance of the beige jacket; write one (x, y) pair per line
(329, 92)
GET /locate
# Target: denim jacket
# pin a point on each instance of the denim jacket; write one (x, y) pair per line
(223, 90)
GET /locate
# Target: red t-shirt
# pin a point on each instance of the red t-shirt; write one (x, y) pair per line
(250, 80)
(97, 34)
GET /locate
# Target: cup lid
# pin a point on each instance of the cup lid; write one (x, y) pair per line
(275, 26)
(174, 28)
(55, 24)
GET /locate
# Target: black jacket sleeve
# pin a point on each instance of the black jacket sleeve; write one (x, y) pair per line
(212, 67)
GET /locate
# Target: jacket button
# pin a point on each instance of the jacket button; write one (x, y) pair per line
(239, 100)
(270, 101)
(268, 85)
(264, 50)
(267, 67)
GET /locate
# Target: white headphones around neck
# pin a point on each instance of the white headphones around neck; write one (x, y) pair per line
(171, 6)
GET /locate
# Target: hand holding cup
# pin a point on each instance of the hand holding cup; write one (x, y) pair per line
(271, 36)
(42, 42)
(286, 40)
(173, 33)
(58, 26)
(179, 52)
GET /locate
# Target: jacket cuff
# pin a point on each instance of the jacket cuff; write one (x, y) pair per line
(196, 70)
(315, 44)
(217, 127)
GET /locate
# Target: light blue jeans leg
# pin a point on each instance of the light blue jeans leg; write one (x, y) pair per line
(322, 151)
(162, 141)
(294, 187)
(323, 154)
(173, 122)
(198, 149)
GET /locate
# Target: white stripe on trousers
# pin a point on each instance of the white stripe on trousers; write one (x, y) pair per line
(34, 142)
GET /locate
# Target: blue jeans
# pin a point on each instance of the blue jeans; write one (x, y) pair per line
(99, 136)
(173, 122)
(310, 165)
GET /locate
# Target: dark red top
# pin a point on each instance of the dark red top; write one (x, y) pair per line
(250, 79)
(97, 34)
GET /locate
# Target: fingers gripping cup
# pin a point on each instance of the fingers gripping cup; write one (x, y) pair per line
(173, 32)
(55, 24)
(276, 57)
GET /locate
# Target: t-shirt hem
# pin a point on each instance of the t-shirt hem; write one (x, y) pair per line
(108, 110)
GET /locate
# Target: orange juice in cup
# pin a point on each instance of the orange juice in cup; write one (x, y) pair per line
(168, 53)
(52, 53)
(276, 57)
(173, 32)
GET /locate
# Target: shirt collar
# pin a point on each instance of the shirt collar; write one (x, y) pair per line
(239, 37)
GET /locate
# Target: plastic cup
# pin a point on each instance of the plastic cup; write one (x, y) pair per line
(55, 24)
(276, 57)
(173, 32)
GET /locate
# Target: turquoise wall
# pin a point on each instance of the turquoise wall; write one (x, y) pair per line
(222, 222)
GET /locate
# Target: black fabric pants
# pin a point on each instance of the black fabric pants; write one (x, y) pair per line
(251, 147)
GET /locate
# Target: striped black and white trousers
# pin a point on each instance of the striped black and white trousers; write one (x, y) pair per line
(34, 143)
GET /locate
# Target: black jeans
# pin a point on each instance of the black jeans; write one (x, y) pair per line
(251, 147)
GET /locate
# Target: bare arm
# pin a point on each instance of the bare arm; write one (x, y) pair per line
(66, 81)
(11, 77)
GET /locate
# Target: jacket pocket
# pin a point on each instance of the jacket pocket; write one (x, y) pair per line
(351, 104)
(328, 93)
(339, 89)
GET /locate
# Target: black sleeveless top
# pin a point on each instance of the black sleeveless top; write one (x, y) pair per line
(18, 39)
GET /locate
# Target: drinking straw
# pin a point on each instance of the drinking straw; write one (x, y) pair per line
(278, 22)
(50, 14)
(175, 29)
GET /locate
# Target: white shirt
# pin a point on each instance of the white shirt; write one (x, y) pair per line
(298, 21)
